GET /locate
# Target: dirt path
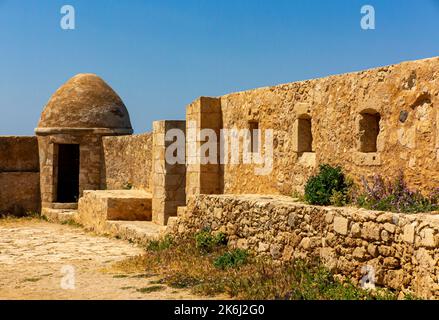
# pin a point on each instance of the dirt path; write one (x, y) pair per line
(40, 260)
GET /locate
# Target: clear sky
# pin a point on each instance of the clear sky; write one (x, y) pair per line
(160, 55)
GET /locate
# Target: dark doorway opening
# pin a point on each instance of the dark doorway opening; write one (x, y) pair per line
(68, 173)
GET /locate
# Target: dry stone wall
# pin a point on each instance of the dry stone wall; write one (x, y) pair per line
(19, 175)
(401, 251)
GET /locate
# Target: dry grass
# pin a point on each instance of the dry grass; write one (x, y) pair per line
(9, 219)
(183, 265)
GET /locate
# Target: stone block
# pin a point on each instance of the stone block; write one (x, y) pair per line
(158, 126)
(356, 230)
(391, 228)
(341, 225)
(372, 250)
(367, 159)
(263, 247)
(360, 253)
(409, 233)
(371, 231)
(301, 108)
(96, 207)
(159, 140)
(428, 238)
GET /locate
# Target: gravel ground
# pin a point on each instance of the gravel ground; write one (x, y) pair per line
(40, 260)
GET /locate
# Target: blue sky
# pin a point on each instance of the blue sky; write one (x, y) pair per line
(161, 55)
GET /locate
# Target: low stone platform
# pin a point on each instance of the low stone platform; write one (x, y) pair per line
(140, 232)
(97, 207)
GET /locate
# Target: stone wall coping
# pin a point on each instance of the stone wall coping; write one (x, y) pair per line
(133, 136)
(330, 77)
(121, 194)
(81, 131)
(16, 137)
(354, 213)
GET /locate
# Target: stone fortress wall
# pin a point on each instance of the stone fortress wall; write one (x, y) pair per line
(377, 121)
(19, 175)
(394, 105)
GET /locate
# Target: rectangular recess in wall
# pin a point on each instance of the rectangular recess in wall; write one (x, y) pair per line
(254, 134)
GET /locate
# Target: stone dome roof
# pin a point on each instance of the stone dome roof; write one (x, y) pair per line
(85, 102)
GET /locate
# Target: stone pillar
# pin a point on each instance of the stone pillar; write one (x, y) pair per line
(202, 178)
(168, 180)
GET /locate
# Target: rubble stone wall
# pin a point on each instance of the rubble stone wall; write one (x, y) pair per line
(401, 250)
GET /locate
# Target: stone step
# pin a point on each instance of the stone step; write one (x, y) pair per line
(60, 215)
(140, 232)
(65, 206)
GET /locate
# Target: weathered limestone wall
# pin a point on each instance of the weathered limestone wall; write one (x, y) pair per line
(403, 250)
(405, 95)
(128, 161)
(19, 175)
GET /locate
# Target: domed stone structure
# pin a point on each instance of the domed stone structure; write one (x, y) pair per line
(85, 101)
(70, 133)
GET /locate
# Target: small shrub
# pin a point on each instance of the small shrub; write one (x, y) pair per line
(231, 259)
(127, 288)
(207, 242)
(72, 223)
(395, 196)
(411, 296)
(329, 186)
(151, 289)
(339, 199)
(299, 196)
(313, 281)
(182, 280)
(160, 245)
(32, 279)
